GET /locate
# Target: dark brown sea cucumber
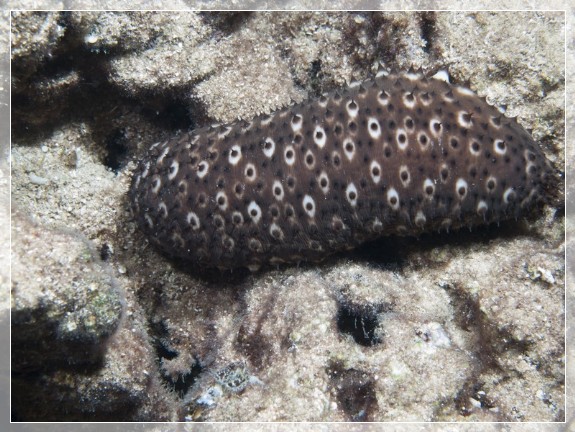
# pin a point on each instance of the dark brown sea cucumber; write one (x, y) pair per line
(402, 153)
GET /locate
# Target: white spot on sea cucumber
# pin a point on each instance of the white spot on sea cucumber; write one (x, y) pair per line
(323, 181)
(490, 184)
(409, 100)
(203, 168)
(289, 211)
(291, 182)
(528, 155)
(274, 211)
(194, 140)
(163, 209)
(239, 189)
(412, 76)
(404, 175)
(377, 226)
(426, 99)
(435, 127)
(393, 198)
(173, 172)
(420, 219)
(235, 154)
(255, 245)
(428, 187)
(352, 108)
(193, 220)
(296, 122)
(149, 220)
(482, 207)
(269, 147)
(278, 190)
(225, 132)
(222, 200)
(183, 187)
(375, 171)
(351, 194)
(247, 126)
(219, 222)
(401, 229)
(309, 205)
(408, 123)
(276, 231)
(495, 122)
(319, 136)
(156, 184)
(401, 138)
(255, 212)
(237, 218)
(461, 188)
(250, 172)
(423, 140)
(276, 260)
(289, 155)
(314, 245)
(464, 119)
(202, 201)
(266, 120)
(454, 142)
(337, 128)
(383, 98)
(309, 159)
(228, 243)
(373, 128)
(444, 172)
(508, 195)
(162, 156)
(446, 223)
(499, 147)
(349, 148)
(474, 148)
(336, 223)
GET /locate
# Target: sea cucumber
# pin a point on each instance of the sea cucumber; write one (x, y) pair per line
(402, 153)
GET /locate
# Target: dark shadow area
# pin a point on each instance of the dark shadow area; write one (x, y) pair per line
(354, 390)
(184, 380)
(226, 23)
(72, 86)
(393, 252)
(360, 321)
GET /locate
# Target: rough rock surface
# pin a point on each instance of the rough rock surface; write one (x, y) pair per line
(459, 327)
(64, 303)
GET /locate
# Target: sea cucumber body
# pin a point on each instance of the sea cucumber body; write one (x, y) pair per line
(398, 154)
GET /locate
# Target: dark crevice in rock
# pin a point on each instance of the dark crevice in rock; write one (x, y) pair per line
(361, 321)
(427, 25)
(181, 381)
(354, 390)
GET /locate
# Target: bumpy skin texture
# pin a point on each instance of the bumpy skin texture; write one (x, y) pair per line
(399, 154)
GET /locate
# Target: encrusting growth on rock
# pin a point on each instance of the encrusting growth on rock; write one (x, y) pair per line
(402, 153)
